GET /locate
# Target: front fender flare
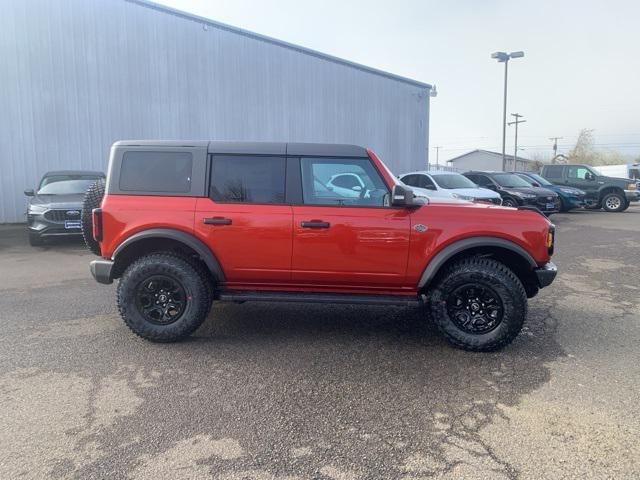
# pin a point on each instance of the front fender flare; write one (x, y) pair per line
(449, 251)
(189, 240)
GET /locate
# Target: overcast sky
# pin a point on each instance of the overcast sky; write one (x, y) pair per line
(581, 67)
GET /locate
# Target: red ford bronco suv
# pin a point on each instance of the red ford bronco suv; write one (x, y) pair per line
(183, 224)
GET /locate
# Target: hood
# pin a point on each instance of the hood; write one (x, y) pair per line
(59, 201)
(537, 191)
(475, 192)
(565, 189)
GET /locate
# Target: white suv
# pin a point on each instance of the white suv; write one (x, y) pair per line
(440, 184)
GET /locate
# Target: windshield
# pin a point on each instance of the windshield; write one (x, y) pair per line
(510, 180)
(66, 184)
(453, 181)
(539, 179)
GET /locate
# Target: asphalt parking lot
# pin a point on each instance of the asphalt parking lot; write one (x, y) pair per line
(267, 391)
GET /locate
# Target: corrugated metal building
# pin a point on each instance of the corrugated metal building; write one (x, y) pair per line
(77, 75)
(490, 161)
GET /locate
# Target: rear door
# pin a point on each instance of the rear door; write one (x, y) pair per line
(348, 240)
(245, 220)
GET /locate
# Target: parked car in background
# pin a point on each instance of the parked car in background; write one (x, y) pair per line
(570, 197)
(448, 185)
(55, 206)
(517, 192)
(609, 193)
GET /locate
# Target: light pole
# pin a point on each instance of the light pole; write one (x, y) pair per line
(516, 122)
(504, 57)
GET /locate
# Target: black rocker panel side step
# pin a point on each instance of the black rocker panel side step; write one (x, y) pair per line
(259, 296)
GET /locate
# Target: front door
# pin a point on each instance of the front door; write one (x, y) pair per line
(245, 220)
(348, 236)
(579, 177)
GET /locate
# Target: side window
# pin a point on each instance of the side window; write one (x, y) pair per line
(342, 181)
(411, 180)
(481, 180)
(247, 179)
(426, 182)
(167, 172)
(579, 173)
(553, 171)
(346, 180)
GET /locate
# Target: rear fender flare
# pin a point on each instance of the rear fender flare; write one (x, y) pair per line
(434, 266)
(187, 239)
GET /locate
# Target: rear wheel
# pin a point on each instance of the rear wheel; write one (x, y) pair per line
(479, 304)
(163, 297)
(92, 199)
(614, 202)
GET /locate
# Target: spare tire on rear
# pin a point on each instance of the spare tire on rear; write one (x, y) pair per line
(92, 199)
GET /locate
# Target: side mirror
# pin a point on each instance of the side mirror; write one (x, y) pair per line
(29, 192)
(430, 187)
(491, 186)
(590, 176)
(536, 184)
(356, 188)
(401, 196)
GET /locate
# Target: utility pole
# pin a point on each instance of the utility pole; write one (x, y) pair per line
(516, 122)
(555, 147)
(437, 156)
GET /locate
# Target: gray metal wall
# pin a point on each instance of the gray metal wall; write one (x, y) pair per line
(76, 75)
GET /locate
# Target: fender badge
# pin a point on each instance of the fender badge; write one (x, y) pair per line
(420, 228)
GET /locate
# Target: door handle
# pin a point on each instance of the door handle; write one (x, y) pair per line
(315, 224)
(216, 221)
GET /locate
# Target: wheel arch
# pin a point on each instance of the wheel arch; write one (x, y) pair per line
(610, 189)
(511, 254)
(164, 239)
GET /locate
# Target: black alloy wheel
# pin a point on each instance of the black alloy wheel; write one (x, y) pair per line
(474, 308)
(160, 299)
(509, 202)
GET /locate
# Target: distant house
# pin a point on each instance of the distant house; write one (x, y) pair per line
(486, 160)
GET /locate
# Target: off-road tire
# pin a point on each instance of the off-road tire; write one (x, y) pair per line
(181, 270)
(92, 199)
(35, 240)
(611, 199)
(488, 273)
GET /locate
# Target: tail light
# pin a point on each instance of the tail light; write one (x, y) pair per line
(97, 224)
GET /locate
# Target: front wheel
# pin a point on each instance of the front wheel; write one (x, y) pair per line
(163, 297)
(35, 240)
(510, 202)
(479, 304)
(614, 202)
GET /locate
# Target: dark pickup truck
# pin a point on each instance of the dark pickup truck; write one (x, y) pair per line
(609, 193)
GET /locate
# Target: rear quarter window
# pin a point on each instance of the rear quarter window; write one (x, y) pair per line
(552, 171)
(156, 172)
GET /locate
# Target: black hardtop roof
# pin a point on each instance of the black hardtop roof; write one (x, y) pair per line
(256, 148)
(74, 172)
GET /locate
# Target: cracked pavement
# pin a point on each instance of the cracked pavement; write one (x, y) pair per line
(275, 391)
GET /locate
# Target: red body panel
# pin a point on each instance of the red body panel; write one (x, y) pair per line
(365, 250)
(125, 215)
(364, 247)
(255, 247)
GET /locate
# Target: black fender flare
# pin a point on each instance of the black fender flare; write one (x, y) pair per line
(449, 251)
(189, 240)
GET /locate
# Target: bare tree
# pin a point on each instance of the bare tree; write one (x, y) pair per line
(585, 152)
